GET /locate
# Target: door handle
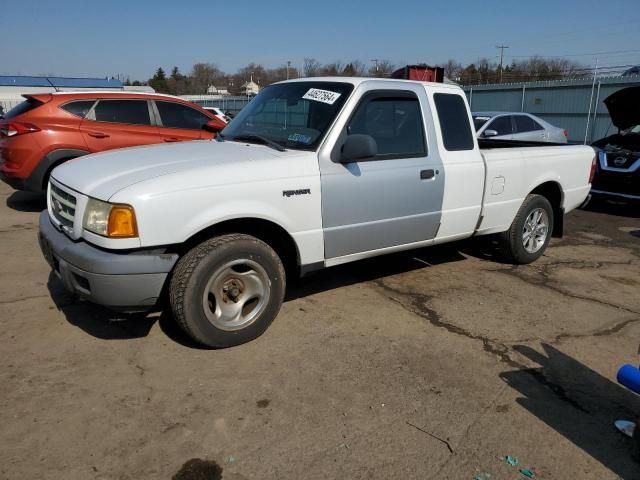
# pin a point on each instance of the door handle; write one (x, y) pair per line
(97, 134)
(172, 139)
(428, 174)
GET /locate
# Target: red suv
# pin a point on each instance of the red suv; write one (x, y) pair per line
(47, 129)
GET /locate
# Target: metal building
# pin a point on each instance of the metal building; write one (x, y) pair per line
(575, 105)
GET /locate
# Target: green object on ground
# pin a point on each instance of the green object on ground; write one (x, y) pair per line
(527, 473)
(482, 476)
(510, 460)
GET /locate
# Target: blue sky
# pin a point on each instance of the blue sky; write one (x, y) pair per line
(85, 38)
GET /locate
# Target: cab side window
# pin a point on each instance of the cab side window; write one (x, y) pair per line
(395, 123)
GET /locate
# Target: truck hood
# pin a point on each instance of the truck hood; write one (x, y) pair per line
(101, 175)
(624, 107)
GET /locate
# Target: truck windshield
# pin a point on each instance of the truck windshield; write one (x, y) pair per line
(294, 115)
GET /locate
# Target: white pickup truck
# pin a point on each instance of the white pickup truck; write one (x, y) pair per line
(312, 173)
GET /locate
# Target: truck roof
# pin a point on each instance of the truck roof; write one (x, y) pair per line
(358, 80)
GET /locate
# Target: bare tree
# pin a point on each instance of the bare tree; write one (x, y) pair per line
(332, 69)
(354, 69)
(203, 75)
(383, 68)
(452, 70)
(311, 67)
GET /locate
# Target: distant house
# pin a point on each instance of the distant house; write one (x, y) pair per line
(213, 90)
(249, 88)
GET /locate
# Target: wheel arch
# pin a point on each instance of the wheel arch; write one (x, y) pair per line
(51, 160)
(273, 234)
(552, 191)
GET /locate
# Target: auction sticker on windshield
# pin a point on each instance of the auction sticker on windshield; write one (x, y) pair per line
(324, 96)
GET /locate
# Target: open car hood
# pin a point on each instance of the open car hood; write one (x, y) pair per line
(624, 107)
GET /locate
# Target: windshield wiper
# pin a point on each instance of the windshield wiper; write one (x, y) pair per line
(250, 137)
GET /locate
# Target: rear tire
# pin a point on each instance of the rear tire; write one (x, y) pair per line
(530, 233)
(227, 290)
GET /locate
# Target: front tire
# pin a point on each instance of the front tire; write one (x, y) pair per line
(227, 290)
(530, 233)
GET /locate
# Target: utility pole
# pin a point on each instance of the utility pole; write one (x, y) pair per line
(593, 86)
(288, 67)
(375, 60)
(501, 47)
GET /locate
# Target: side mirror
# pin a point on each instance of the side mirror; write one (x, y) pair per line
(358, 147)
(489, 133)
(214, 125)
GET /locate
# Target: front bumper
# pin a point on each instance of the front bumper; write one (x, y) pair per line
(621, 196)
(32, 183)
(125, 281)
(14, 182)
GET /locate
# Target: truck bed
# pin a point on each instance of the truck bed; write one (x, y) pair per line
(489, 143)
(513, 169)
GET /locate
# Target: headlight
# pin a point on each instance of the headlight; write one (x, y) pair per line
(110, 220)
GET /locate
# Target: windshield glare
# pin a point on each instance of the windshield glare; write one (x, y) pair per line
(295, 115)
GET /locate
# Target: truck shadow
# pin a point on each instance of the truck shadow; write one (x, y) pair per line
(95, 320)
(105, 324)
(579, 404)
(373, 269)
(27, 201)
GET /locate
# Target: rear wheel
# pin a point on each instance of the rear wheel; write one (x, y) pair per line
(530, 233)
(227, 290)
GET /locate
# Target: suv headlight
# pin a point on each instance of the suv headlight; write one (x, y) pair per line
(110, 220)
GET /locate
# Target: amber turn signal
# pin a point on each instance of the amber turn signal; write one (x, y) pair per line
(122, 222)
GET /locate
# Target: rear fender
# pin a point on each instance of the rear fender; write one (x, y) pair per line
(37, 181)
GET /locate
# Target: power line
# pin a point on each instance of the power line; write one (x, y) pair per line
(614, 52)
(573, 32)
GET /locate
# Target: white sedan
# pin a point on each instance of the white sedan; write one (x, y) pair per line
(218, 113)
(522, 127)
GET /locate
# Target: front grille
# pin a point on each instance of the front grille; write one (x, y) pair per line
(620, 160)
(63, 206)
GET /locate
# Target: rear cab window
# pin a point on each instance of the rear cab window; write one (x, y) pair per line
(454, 122)
(23, 107)
(79, 108)
(132, 112)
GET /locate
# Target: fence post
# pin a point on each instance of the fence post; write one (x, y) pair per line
(470, 98)
(524, 88)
